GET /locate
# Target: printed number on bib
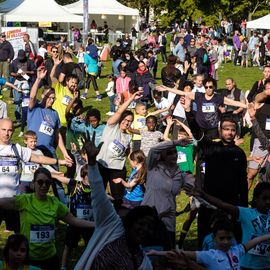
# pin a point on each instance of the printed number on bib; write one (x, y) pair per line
(117, 148)
(66, 100)
(181, 157)
(140, 123)
(208, 108)
(262, 249)
(41, 233)
(84, 211)
(30, 168)
(267, 124)
(46, 128)
(8, 167)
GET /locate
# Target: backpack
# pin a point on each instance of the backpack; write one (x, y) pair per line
(244, 47)
(163, 40)
(18, 157)
(79, 73)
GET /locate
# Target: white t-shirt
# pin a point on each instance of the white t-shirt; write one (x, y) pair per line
(198, 89)
(9, 168)
(42, 52)
(109, 89)
(163, 104)
(3, 109)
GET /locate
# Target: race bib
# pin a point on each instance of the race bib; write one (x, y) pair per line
(46, 128)
(9, 166)
(66, 100)
(41, 233)
(25, 102)
(262, 249)
(84, 211)
(117, 148)
(208, 108)
(181, 157)
(141, 123)
(30, 168)
(267, 124)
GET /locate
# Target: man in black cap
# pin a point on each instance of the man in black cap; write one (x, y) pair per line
(6, 55)
(22, 70)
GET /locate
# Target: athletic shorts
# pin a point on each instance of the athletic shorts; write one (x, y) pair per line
(257, 151)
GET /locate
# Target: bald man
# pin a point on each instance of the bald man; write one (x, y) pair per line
(10, 157)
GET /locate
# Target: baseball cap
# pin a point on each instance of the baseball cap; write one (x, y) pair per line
(21, 55)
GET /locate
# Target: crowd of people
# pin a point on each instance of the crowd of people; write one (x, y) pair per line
(122, 177)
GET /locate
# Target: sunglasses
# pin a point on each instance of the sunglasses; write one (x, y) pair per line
(42, 182)
(209, 87)
(55, 51)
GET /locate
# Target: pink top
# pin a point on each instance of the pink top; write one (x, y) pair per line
(122, 84)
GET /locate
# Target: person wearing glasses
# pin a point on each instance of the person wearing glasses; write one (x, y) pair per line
(38, 217)
(54, 53)
(45, 122)
(207, 104)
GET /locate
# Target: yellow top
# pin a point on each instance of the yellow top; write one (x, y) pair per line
(63, 98)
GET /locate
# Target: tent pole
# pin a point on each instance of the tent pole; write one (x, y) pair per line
(85, 21)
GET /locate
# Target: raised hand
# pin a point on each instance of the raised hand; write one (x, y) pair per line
(251, 110)
(161, 88)
(57, 61)
(186, 103)
(41, 73)
(169, 121)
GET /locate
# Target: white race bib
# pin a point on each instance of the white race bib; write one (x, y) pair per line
(41, 233)
(66, 100)
(25, 102)
(46, 128)
(117, 148)
(84, 211)
(30, 168)
(140, 123)
(181, 157)
(267, 124)
(208, 108)
(9, 166)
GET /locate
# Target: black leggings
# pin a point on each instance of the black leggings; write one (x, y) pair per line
(94, 82)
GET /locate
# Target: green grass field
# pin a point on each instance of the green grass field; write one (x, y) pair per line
(244, 79)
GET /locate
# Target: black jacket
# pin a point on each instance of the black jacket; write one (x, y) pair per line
(225, 167)
(6, 51)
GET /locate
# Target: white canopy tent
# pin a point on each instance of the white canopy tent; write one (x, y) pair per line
(40, 11)
(8, 5)
(261, 23)
(118, 16)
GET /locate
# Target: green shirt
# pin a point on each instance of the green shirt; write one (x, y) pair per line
(38, 219)
(185, 158)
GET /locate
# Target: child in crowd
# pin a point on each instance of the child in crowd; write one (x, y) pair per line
(16, 253)
(42, 50)
(80, 203)
(73, 109)
(100, 65)
(139, 124)
(149, 137)
(89, 125)
(209, 240)
(122, 85)
(256, 58)
(244, 53)
(111, 95)
(152, 63)
(28, 168)
(134, 191)
(80, 57)
(225, 256)
(24, 102)
(254, 222)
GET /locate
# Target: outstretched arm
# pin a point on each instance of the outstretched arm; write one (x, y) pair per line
(163, 88)
(115, 118)
(255, 241)
(235, 103)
